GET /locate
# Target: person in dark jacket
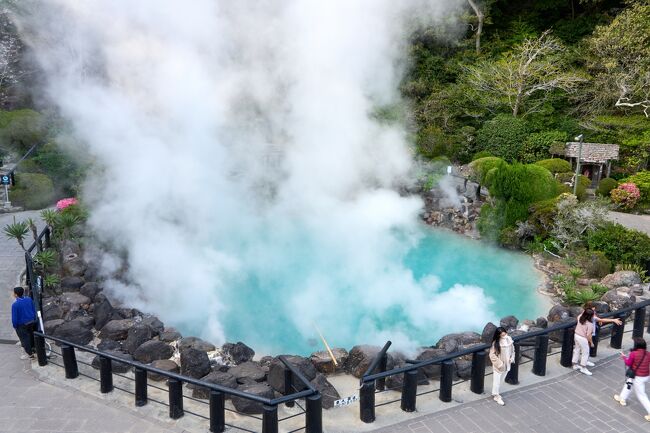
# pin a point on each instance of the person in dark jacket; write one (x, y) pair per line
(23, 317)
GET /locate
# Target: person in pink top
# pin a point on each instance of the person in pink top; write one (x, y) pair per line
(639, 361)
(583, 341)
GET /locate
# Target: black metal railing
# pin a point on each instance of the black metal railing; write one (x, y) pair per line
(35, 282)
(374, 382)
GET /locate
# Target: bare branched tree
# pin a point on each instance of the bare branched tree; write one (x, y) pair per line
(525, 77)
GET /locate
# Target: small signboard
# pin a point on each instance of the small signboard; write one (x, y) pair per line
(5, 179)
(346, 401)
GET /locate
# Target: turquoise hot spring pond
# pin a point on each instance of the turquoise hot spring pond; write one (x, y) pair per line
(425, 285)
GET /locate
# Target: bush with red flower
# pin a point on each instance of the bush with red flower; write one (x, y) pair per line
(626, 195)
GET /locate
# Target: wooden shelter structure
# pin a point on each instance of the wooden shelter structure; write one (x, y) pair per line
(595, 158)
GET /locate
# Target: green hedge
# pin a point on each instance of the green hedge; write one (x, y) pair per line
(32, 191)
(503, 136)
(537, 145)
(620, 245)
(555, 165)
(480, 167)
(605, 186)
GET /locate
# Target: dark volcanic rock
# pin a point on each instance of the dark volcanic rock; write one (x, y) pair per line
(454, 342)
(277, 368)
(431, 371)
(51, 325)
(74, 331)
(238, 352)
(488, 333)
(152, 351)
(163, 364)
(250, 407)
(323, 361)
(118, 367)
(51, 310)
(249, 369)
(217, 378)
(327, 390)
(102, 312)
(541, 322)
(558, 313)
(195, 343)
(71, 284)
(136, 336)
(509, 323)
(360, 358)
(90, 290)
(169, 335)
(74, 266)
(194, 363)
(156, 325)
(107, 345)
(116, 329)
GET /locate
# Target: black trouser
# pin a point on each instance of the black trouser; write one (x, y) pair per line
(26, 335)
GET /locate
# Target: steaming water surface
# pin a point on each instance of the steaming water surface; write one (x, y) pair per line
(265, 306)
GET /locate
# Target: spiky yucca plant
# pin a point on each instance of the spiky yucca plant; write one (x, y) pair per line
(18, 231)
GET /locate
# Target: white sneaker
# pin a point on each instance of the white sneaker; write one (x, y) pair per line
(576, 367)
(590, 364)
(620, 400)
(584, 370)
(499, 400)
(27, 357)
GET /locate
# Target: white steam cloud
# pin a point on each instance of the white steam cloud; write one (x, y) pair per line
(235, 139)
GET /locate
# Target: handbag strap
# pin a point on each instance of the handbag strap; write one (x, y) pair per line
(645, 352)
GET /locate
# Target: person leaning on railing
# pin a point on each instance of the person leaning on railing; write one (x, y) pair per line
(583, 340)
(23, 318)
(597, 321)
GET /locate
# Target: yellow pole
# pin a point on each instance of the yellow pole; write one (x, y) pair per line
(327, 346)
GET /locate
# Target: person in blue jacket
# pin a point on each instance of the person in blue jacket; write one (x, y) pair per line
(23, 317)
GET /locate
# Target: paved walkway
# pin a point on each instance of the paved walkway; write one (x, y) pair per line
(28, 405)
(636, 222)
(570, 403)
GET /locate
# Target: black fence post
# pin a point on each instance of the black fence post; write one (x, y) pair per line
(175, 398)
(477, 384)
(541, 350)
(512, 377)
(105, 375)
(217, 411)
(140, 387)
(69, 361)
(314, 415)
(269, 419)
(639, 322)
(567, 347)
(48, 242)
(367, 402)
(39, 342)
(593, 351)
(616, 342)
(409, 390)
(381, 383)
(288, 384)
(446, 380)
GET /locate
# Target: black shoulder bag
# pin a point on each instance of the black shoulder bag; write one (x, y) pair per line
(630, 372)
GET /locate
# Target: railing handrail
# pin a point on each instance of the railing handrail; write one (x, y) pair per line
(375, 362)
(296, 372)
(38, 238)
(180, 377)
(569, 323)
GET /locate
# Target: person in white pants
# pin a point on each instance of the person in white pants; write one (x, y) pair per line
(638, 361)
(583, 341)
(502, 355)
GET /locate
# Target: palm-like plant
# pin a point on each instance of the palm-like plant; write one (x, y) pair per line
(18, 231)
(32, 226)
(51, 217)
(66, 223)
(51, 281)
(45, 259)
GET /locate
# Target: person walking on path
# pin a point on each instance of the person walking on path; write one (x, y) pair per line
(23, 317)
(502, 355)
(583, 341)
(639, 362)
(597, 321)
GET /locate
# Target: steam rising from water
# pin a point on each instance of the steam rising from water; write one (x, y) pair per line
(235, 140)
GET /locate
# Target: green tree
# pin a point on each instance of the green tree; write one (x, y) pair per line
(503, 136)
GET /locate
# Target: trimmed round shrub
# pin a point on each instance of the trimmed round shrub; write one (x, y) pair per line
(502, 136)
(32, 191)
(555, 165)
(523, 183)
(642, 181)
(481, 154)
(619, 244)
(480, 167)
(605, 186)
(542, 215)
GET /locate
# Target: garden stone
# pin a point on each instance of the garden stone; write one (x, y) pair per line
(265, 362)
(136, 336)
(103, 311)
(74, 266)
(123, 313)
(277, 368)
(52, 311)
(360, 358)
(153, 350)
(454, 342)
(163, 364)
(194, 363)
(116, 329)
(108, 345)
(90, 290)
(170, 335)
(463, 368)
(74, 299)
(118, 367)
(488, 333)
(575, 311)
(156, 325)
(248, 406)
(248, 369)
(558, 313)
(431, 371)
(216, 377)
(541, 322)
(238, 352)
(71, 284)
(75, 332)
(323, 362)
(637, 289)
(327, 390)
(52, 325)
(620, 279)
(601, 307)
(86, 321)
(69, 247)
(509, 323)
(617, 299)
(195, 343)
